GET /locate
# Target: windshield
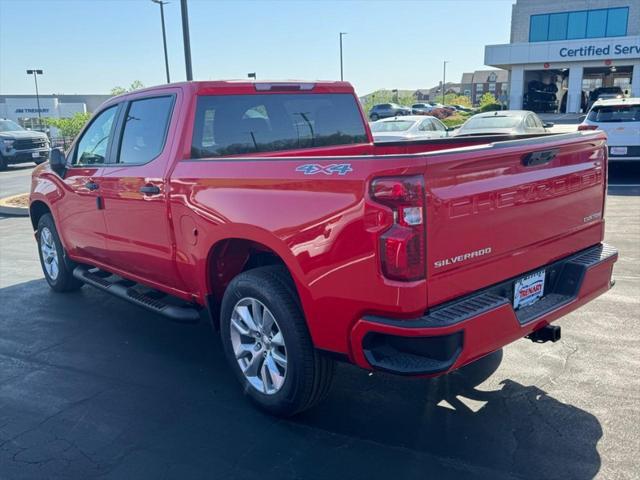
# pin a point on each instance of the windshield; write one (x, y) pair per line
(394, 126)
(9, 126)
(615, 113)
(494, 121)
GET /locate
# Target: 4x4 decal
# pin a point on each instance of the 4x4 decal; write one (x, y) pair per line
(313, 168)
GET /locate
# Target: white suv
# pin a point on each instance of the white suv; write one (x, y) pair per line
(620, 119)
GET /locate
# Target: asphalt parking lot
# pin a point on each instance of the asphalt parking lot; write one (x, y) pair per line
(92, 387)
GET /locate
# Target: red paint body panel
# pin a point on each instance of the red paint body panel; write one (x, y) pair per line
(326, 229)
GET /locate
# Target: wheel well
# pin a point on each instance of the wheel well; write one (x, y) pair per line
(227, 259)
(37, 210)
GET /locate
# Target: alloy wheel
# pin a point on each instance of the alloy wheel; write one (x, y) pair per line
(49, 253)
(258, 345)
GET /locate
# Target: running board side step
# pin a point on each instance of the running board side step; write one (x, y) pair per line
(126, 290)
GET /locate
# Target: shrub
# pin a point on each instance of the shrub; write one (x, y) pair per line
(489, 103)
(440, 113)
(490, 107)
(69, 127)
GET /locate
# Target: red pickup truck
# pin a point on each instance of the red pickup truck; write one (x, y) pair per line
(269, 208)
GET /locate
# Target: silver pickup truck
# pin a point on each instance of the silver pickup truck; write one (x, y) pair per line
(18, 145)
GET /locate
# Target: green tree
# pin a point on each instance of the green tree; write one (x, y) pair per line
(455, 99)
(69, 127)
(488, 99)
(135, 85)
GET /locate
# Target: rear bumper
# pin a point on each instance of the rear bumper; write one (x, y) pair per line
(633, 154)
(459, 332)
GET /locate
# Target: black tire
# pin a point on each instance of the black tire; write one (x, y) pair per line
(374, 117)
(3, 164)
(63, 281)
(308, 373)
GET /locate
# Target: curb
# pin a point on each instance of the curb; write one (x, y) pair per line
(6, 209)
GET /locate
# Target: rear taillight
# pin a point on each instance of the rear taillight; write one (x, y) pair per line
(402, 246)
(584, 126)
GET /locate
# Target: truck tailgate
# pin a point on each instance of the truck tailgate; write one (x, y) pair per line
(497, 211)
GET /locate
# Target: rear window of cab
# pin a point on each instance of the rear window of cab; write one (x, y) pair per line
(240, 124)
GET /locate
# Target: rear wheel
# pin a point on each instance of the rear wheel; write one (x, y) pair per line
(374, 117)
(267, 343)
(57, 270)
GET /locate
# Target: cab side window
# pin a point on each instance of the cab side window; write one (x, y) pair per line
(93, 145)
(145, 130)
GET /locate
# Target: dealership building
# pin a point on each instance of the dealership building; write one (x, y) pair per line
(561, 52)
(24, 109)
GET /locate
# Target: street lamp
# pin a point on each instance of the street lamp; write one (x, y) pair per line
(341, 67)
(185, 39)
(35, 74)
(164, 37)
(252, 75)
(444, 76)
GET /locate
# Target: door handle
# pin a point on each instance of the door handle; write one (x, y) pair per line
(150, 190)
(92, 185)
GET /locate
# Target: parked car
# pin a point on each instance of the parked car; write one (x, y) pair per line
(462, 108)
(303, 241)
(604, 93)
(421, 108)
(620, 119)
(411, 127)
(503, 122)
(18, 145)
(386, 110)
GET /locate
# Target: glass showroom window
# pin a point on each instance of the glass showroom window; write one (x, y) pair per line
(539, 28)
(609, 22)
(617, 22)
(577, 25)
(597, 24)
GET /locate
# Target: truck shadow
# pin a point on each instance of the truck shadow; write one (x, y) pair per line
(514, 429)
(116, 371)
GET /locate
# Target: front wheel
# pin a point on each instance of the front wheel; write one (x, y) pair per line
(57, 270)
(267, 343)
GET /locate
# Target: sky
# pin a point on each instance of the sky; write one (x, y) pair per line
(91, 46)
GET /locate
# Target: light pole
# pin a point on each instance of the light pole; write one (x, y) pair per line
(252, 75)
(185, 39)
(35, 74)
(341, 66)
(164, 37)
(444, 77)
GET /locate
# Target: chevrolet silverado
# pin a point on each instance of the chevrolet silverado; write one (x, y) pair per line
(268, 208)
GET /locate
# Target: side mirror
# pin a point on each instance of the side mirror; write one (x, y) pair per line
(57, 161)
(548, 124)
